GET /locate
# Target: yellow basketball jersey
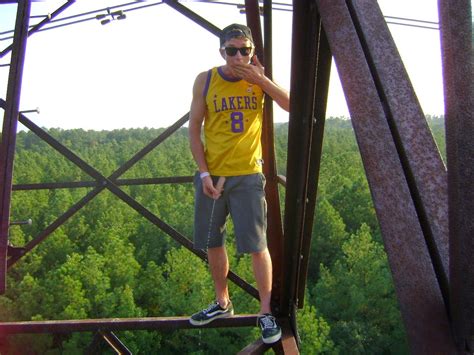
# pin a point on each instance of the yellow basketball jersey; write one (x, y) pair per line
(232, 125)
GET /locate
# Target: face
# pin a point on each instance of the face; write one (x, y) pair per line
(238, 57)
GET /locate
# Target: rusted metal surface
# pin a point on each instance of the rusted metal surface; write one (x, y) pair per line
(118, 324)
(252, 14)
(119, 182)
(287, 345)
(274, 223)
(421, 161)
(274, 228)
(305, 131)
(457, 59)
(419, 295)
(10, 123)
(323, 71)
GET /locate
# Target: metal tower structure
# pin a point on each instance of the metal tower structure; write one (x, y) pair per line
(425, 210)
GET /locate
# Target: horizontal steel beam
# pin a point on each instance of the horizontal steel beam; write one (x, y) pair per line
(120, 324)
(119, 182)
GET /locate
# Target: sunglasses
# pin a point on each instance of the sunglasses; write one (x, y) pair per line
(244, 51)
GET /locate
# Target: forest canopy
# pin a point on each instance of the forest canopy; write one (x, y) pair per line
(108, 261)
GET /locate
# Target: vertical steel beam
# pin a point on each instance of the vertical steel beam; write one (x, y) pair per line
(252, 14)
(312, 60)
(10, 122)
(302, 135)
(457, 54)
(323, 71)
(274, 225)
(420, 157)
(421, 303)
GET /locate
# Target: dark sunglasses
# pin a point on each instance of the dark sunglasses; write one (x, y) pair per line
(244, 51)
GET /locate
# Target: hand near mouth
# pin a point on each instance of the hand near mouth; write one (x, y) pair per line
(253, 73)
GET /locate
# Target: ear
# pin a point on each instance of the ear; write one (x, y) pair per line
(222, 51)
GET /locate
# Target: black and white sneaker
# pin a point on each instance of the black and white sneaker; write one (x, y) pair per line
(271, 331)
(212, 312)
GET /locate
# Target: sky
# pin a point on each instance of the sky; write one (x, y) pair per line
(139, 72)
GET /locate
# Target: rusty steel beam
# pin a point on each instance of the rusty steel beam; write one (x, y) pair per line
(252, 13)
(274, 220)
(457, 58)
(420, 299)
(309, 85)
(119, 324)
(421, 160)
(119, 182)
(10, 123)
(287, 345)
(323, 70)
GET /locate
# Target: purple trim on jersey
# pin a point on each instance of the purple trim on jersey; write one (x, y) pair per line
(208, 80)
(221, 73)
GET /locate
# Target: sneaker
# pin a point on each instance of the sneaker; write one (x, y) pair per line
(214, 311)
(271, 331)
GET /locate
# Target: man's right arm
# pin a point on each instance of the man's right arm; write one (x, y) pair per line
(196, 118)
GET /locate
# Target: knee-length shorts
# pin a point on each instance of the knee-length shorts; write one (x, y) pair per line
(243, 199)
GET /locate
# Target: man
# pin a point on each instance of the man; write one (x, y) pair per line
(229, 100)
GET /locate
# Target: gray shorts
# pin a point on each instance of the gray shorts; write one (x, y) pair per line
(244, 199)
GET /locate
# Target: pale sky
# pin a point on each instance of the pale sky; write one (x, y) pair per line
(139, 72)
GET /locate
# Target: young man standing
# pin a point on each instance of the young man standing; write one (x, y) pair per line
(229, 101)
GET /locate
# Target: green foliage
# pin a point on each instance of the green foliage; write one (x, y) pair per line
(108, 261)
(356, 297)
(329, 232)
(314, 332)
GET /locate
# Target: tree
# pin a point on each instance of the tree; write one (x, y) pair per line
(314, 332)
(328, 236)
(357, 299)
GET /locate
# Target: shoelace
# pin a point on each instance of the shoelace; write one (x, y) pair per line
(211, 306)
(268, 321)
